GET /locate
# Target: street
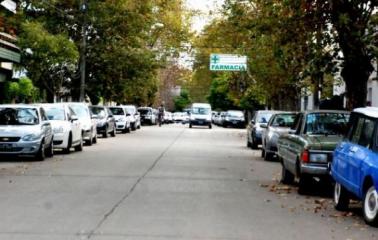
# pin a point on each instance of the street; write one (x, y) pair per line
(166, 183)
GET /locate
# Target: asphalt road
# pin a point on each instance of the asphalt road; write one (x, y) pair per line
(162, 184)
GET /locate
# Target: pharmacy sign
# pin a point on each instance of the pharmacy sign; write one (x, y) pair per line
(228, 62)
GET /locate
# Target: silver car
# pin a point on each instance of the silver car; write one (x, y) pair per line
(25, 131)
(279, 123)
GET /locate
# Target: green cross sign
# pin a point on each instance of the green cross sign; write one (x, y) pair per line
(215, 59)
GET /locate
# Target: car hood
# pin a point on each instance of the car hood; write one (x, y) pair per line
(321, 142)
(59, 123)
(19, 131)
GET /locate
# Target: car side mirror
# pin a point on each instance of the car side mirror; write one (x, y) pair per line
(264, 125)
(94, 116)
(74, 118)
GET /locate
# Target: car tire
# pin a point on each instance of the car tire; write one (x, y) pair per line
(268, 156)
(105, 134)
(263, 153)
(138, 127)
(248, 143)
(79, 147)
(286, 176)
(370, 207)
(341, 197)
(133, 128)
(253, 143)
(40, 156)
(190, 125)
(114, 132)
(210, 126)
(69, 145)
(50, 150)
(94, 140)
(303, 184)
(90, 141)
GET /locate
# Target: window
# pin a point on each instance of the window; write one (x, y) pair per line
(327, 123)
(43, 115)
(363, 131)
(283, 120)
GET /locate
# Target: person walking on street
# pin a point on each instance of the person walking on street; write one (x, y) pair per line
(161, 114)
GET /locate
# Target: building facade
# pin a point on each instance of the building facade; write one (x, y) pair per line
(9, 52)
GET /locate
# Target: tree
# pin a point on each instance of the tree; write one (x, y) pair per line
(22, 91)
(182, 101)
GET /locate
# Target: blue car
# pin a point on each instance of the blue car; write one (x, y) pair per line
(355, 164)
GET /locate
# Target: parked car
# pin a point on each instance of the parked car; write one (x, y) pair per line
(134, 116)
(279, 124)
(200, 114)
(147, 115)
(221, 118)
(87, 123)
(355, 164)
(66, 127)
(25, 131)
(122, 119)
(306, 151)
(234, 118)
(106, 123)
(254, 129)
(178, 117)
(168, 118)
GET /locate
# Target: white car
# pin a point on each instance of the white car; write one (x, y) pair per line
(168, 118)
(66, 127)
(25, 131)
(88, 125)
(123, 121)
(134, 116)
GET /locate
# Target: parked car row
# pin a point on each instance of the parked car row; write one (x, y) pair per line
(39, 129)
(230, 118)
(327, 145)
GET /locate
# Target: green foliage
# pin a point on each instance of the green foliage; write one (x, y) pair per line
(22, 91)
(182, 101)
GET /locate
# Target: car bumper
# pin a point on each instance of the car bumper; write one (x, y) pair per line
(236, 123)
(121, 125)
(60, 140)
(200, 122)
(20, 148)
(101, 129)
(315, 169)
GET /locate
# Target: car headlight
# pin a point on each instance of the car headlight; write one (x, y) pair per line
(31, 137)
(59, 130)
(318, 157)
(227, 119)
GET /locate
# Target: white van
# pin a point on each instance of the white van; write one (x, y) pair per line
(200, 114)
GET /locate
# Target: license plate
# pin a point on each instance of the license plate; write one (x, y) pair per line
(5, 146)
(200, 122)
(234, 122)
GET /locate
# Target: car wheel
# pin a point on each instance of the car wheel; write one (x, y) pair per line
(79, 147)
(94, 140)
(268, 156)
(50, 150)
(286, 176)
(190, 126)
(105, 134)
(263, 153)
(114, 132)
(340, 197)
(40, 156)
(133, 128)
(253, 143)
(370, 206)
(248, 143)
(90, 141)
(210, 126)
(304, 182)
(138, 127)
(69, 145)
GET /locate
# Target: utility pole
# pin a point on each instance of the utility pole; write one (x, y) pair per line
(83, 9)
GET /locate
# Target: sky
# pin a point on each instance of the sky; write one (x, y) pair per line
(205, 6)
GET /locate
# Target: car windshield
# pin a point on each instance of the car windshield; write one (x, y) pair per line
(235, 114)
(18, 116)
(263, 117)
(99, 111)
(55, 113)
(80, 111)
(117, 111)
(283, 120)
(326, 123)
(130, 110)
(200, 111)
(143, 111)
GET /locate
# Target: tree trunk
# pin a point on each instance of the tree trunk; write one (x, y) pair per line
(356, 76)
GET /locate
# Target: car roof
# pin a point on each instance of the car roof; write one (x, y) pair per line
(325, 111)
(368, 111)
(18, 106)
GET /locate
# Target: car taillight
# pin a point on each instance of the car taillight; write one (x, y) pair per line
(305, 156)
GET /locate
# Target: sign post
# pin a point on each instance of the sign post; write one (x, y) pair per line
(228, 62)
